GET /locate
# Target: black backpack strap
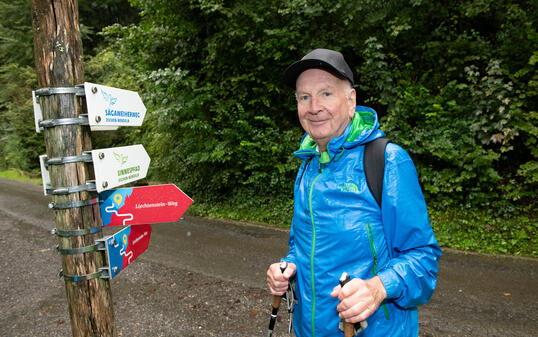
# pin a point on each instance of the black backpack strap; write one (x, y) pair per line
(374, 166)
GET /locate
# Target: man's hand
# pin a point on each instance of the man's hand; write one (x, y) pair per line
(359, 298)
(278, 281)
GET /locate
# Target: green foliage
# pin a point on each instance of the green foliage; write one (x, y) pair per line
(456, 86)
(214, 151)
(13, 174)
(96, 15)
(218, 122)
(248, 207)
(464, 104)
(20, 145)
(16, 32)
(477, 231)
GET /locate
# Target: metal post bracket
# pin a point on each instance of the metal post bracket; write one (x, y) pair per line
(85, 157)
(73, 204)
(88, 186)
(75, 232)
(49, 123)
(102, 273)
(81, 250)
(77, 90)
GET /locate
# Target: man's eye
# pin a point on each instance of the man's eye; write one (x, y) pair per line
(326, 94)
(303, 97)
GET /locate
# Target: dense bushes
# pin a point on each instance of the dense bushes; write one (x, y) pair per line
(455, 85)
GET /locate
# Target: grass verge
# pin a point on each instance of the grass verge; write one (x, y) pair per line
(20, 176)
(475, 230)
(469, 230)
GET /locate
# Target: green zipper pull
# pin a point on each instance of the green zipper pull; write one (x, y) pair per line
(324, 157)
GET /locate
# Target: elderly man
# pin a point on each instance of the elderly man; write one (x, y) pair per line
(390, 251)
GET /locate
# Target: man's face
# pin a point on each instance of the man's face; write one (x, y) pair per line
(325, 105)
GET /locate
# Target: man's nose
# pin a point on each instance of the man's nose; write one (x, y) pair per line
(316, 105)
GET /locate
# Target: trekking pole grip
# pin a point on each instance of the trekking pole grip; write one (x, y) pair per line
(278, 298)
(276, 304)
(349, 328)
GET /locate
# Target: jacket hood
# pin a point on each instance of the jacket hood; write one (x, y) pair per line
(364, 128)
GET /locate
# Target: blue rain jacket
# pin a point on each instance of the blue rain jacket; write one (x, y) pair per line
(337, 226)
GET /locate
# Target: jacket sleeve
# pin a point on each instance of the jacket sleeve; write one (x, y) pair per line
(411, 274)
(290, 256)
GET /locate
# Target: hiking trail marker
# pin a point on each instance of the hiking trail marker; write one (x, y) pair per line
(125, 246)
(109, 108)
(119, 165)
(143, 205)
(134, 207)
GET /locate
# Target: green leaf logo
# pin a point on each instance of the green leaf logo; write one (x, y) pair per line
(122, 159)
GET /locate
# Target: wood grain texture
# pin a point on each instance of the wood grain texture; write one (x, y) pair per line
(58, 58)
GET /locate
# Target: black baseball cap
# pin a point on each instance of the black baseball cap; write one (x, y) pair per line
(319, 58)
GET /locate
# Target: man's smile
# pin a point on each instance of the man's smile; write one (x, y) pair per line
(317, 122)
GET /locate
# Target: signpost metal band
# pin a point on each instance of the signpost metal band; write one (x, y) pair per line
(77, 90)
(80, 278)
(73, 204)
(81, 250)
(75, 232)
(80, 120)
(84, 157)
(88, 186)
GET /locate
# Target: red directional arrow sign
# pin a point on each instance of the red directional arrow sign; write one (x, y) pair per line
(143, 205)
(125, 246)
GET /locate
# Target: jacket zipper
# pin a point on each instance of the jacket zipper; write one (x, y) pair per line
(374, 265)
(312, 254)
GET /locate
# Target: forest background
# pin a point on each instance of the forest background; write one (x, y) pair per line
(454, 83)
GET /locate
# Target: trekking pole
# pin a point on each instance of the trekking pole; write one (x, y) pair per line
(276, 304)
(351, 329)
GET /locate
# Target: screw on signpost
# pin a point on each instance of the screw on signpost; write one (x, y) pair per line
(350, 329)
(276, 304)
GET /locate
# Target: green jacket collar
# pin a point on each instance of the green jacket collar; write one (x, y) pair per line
(364, 119)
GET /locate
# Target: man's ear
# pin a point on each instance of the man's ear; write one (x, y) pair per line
(352, 101)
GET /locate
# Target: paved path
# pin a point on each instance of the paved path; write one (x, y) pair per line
(204, 277)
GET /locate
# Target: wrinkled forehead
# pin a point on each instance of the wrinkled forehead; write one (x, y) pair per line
(318, 78)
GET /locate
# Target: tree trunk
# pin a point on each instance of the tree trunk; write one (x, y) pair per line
(58, 58)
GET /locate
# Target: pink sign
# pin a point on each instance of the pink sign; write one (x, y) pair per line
(143, 205)
(125, 246)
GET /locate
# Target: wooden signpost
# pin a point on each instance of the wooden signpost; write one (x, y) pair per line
(58, 59)
(66, 108)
